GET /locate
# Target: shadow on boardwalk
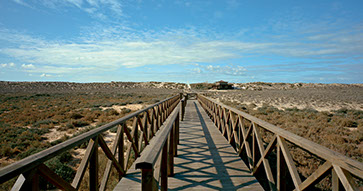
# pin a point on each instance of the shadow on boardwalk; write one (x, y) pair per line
(205, 159)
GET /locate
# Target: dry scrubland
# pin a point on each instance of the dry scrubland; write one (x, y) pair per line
(37, 115)
(330, 115)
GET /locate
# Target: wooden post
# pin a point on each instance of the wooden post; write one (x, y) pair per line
(136, 137)
(175, 143)
(177, 133)
(35, 182)
(171, 154)
(281, 170)
(147, 180)
(254, 150)
(164, 167)
(121, 157)
(93, 167)
(182, 110)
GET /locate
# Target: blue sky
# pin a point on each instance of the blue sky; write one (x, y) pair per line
(318, 41)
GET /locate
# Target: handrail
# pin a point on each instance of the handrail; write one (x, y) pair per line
(230, 122)
(153, 167)
(151, 153)
(146, 123)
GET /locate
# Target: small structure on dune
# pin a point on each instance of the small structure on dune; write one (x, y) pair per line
(222, 85)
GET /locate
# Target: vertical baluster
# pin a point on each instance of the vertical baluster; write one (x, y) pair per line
(93, 167)
(136, 137)
(175, 143)
(121, 157)
(147, 180)
(171, 154)
(35, 182)
(164, 167)
(281, 170)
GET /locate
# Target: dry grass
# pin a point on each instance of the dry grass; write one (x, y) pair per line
(27, 120)
(339, 130)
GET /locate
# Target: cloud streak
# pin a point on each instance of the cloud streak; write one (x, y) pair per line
(122, 48)
(96, 8)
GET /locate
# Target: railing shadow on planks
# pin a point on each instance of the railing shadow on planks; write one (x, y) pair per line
(243, 132)
(145, 124)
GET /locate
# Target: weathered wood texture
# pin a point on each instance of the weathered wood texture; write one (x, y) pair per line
(205, 160)
(156, 161)
(146, 123)
(243, 132)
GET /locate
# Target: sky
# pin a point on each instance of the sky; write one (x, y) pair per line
(310, 41)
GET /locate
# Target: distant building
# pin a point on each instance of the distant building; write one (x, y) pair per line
(222, 85)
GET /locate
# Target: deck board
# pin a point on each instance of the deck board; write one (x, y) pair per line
(205, 161)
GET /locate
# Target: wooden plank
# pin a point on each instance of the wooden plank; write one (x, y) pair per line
(140, 141)
(19, 183)
(246, 144)
(316, 176)
(24, 180)
(336, 186)
(35, 182)
(130, 137)
(120, 145)
(206, 161)
(151, 153)
(109, 154)
(281, 170)
(164, 168)
(266, 164)
(171, 155)
(93, 167)
(135, 137)
(83, 166)
(268, 150)
(143, 126)
(53, 178)
(147, 180)
(289, 162)
(345, 178)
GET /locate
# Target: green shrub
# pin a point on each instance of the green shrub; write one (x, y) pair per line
(44, 122)
(29, 152)
(79, 123)
(59, 166)
(76, 116)
(124, 111)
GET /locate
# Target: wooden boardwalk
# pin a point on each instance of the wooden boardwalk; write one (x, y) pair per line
(205, 161)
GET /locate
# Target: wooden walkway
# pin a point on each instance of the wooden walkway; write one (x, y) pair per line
(205, 161)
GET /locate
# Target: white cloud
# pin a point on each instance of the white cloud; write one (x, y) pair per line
(45, 75)
(28, 66)
(230, 69)
(117, 48)
(96, 8)
(21, 2)
(197, 70)
(7, 65)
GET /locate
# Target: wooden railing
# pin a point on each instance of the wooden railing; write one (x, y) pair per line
(243, 132)
(157, 160)
(145, 124)
(183, 103)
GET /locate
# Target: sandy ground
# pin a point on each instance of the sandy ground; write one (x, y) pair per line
(133, 107)
(320, 99)
(109, 137)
